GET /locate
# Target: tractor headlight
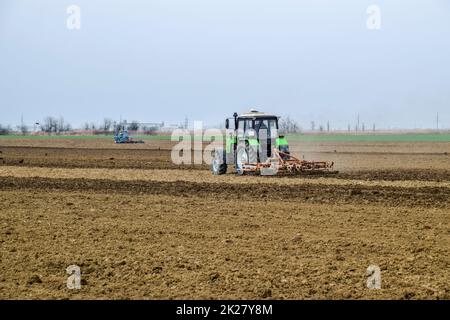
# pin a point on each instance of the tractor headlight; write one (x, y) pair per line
(251, 133)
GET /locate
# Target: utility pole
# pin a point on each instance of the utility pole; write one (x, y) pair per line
(373, 128)
(328, 126)
(437, 121)
(357, 123)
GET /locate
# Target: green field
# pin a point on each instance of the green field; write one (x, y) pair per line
(391, 137)
(382, 137)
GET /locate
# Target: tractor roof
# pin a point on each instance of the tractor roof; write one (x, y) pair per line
(256, 114)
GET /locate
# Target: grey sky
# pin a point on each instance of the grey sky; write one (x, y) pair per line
(160, 60)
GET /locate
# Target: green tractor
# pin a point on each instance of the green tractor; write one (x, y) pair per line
(253, 146)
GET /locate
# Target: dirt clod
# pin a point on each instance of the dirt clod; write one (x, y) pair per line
(34, 279)
(266, 293)
(297, 238)
(157, 269)
(355, 192)
(214, 276)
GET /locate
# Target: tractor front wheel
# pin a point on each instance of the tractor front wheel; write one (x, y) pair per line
(241, 159)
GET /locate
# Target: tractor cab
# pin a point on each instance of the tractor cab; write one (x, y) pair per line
(250, 138)
(258, 130)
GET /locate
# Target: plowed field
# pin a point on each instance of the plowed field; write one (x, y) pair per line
(139, 226)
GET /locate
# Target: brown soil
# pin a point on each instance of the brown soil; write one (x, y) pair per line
(140, 227)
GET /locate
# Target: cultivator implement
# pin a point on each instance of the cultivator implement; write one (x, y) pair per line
(284, 163)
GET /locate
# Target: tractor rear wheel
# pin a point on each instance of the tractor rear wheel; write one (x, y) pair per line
(218, 163)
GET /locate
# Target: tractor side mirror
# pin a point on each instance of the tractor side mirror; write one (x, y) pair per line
(227, 124)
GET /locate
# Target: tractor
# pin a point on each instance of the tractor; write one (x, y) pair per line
(121, 135)
(253, 146)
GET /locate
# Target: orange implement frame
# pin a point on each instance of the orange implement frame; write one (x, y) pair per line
(284, 163)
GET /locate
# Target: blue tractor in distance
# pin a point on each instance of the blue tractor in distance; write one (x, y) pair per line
(121, 135)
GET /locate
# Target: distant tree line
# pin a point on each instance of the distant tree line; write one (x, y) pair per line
(4, 130)
(55, 125)
(108, 126)
(288, 125)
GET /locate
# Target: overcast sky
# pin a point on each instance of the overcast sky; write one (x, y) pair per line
(162, 60)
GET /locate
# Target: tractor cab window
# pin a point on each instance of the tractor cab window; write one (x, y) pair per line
(266, 127)
(249, 130)
(272, 124)
(240, 128)
(248, 124)
(273, 128)
(261, 124)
